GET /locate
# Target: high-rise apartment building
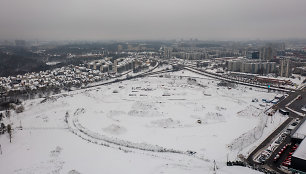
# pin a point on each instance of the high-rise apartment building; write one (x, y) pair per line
(254, 67)
(285, 68)
(267, 53)
(168, 52)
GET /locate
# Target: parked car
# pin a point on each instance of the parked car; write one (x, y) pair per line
(276, 157)
(287, 131)
(294, 123)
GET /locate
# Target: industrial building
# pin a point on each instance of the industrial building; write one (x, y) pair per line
(274, 81)
(298, 161)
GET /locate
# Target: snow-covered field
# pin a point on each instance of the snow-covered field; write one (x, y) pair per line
(145, 125)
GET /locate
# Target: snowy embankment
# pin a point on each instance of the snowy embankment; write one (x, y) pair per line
(248, 141)
(251, 136)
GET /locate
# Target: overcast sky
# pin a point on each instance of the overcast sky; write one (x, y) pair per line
(152, 19)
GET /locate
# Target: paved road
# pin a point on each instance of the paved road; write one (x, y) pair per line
(296, 105)
(299, 103)
(266, 142)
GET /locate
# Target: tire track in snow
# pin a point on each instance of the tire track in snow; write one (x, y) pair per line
(152, 150)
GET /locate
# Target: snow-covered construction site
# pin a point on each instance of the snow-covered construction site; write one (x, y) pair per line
(176, 122)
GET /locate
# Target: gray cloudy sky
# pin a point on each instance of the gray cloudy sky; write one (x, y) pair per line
(152, 19)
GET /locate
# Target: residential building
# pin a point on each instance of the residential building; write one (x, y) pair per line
(285, 68)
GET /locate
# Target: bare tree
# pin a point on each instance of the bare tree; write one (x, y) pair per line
(8, 113)
(2, 128)
(9, 130)
(66, 117)
(20, 109)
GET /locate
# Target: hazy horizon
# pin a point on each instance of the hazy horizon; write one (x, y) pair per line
(152, 20)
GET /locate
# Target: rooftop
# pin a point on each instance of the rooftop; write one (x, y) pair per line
(301, 150)
(300, 132)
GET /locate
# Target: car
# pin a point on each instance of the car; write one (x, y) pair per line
(274, 147)
(284, 112)
(278, 141)
(266, 153)
(294, 123)
(287, 132)
(285, 164)
(276, 157)
(262, 159)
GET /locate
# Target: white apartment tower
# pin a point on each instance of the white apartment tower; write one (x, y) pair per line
(285, 68)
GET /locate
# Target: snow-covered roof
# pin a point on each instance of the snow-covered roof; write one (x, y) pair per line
(301, 150)
(300, 132)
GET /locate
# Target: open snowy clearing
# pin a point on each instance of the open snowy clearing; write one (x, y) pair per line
(145, 125)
